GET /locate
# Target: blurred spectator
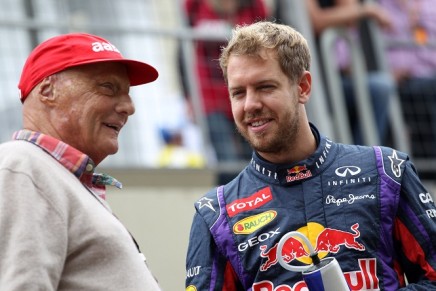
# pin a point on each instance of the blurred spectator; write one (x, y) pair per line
(412, 59)
(175, 154)
(214, 16)
(182, 143)
(334, 13)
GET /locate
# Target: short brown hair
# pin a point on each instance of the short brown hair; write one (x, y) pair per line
(290, 46)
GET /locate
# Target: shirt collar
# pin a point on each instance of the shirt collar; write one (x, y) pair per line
(75, 161)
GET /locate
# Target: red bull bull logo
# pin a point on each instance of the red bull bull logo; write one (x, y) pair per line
(297, 169)
(292, 249)
(298, 173)
(330, 240)
(327, 240)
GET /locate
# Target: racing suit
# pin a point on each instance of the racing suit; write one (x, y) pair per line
(365, 206)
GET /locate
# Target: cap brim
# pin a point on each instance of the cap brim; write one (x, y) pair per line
(138, 72)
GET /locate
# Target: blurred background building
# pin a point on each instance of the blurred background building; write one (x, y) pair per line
(166, 158)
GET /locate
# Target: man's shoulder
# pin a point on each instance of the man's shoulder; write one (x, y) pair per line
(23, 155)
(353, 152)
(387, 160)
(16, 144)
(231, 185)
(208, 206)
(217, 200)
(354, 147)
(392, 161)
(18, 149)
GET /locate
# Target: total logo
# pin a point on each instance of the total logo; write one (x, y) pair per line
(327, 240)
(254, 201)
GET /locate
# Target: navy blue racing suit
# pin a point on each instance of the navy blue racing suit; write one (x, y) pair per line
(365, 206)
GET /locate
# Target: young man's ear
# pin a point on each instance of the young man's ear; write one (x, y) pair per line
(305, 87)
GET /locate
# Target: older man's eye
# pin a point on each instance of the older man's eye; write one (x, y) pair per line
(108, 88)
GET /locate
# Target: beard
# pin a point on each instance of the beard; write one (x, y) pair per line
(280, 140)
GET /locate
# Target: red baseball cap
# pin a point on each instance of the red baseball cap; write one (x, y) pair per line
(69, 50)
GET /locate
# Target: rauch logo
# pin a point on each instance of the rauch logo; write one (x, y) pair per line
(252, 223)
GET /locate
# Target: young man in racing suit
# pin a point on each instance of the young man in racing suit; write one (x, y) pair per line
(365, 206)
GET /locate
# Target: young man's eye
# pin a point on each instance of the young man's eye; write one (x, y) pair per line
(236, 94)
(267, 87)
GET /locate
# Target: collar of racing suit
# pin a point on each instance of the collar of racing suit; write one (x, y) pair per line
(289, 174)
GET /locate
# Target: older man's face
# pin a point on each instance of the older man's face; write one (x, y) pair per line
(95, 104)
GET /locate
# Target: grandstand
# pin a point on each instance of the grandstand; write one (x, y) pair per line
(157, 201)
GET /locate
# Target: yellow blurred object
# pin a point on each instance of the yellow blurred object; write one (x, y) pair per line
(175, 156)
(420, 35)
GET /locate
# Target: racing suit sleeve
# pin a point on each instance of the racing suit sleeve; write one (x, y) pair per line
(415, 233)
(206, 267)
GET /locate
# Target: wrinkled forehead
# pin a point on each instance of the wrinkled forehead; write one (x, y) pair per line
(99, 71)
(101, 67)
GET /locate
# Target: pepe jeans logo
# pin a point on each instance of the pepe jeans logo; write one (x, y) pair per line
(347, 170)
(330, 199)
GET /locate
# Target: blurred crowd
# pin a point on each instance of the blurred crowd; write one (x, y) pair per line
(406, 27)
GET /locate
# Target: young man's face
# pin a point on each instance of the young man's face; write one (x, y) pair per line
(94, 104)
(265, 103)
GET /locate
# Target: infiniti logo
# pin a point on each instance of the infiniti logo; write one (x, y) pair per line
(343, 171)
(348, 176)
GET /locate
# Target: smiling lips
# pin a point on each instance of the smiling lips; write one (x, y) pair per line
(259, 123)
(116, 127)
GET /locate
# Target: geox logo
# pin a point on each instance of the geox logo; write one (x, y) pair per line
(104, 46)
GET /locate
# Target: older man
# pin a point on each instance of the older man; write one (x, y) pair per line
(56, 230)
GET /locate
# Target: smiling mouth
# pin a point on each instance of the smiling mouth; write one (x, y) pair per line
(115, 127)
(259, 123)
